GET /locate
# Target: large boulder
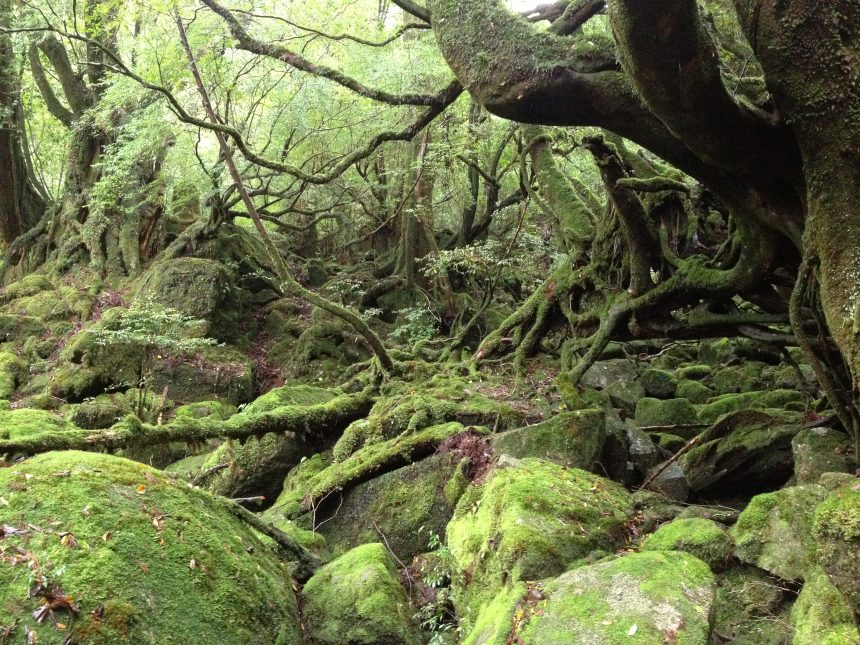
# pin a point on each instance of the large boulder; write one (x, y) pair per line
(357, 600)
(775, 531)
(572, 439)
(532, 519)
(105, 550)
(670, 412)
(744, 452)
(198, 288)
(836, 528)
(642, 598)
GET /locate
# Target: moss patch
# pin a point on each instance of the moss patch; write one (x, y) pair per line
(837, 529)
(532, 519)
(702, 538)
(145, 559)
(822, 615)
(652, 597)
(357, 599)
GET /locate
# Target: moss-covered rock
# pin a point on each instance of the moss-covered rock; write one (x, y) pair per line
(821, 615)
(27, 421)
(497, 618)
(357, 600)
(747, 452)
(775, 531)
(318, 480)
(572, 439)
(625, 395)
(142, 558)
(198, 288)
(821, 450)
(206, 409)
(405, 505)
(603, 373)
(751, 608)
(660, 384)
(837, 529)
(693, 372)
(100, 412)
(647, 598)
(694, 391)
(13, 370)
(670, 442)
(29, 285)
(63, 303)
(671, 412)
(531, 519)
(759, 400)
(746, 377)
(705, 539)
(213, 372)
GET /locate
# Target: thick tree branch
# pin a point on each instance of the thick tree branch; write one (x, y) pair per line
(77, 94)
(55, 107)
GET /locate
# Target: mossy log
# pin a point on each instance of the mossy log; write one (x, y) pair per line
(304, 421)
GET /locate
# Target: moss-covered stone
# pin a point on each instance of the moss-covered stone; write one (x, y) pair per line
(603, 373)
(13, 371)
(530, 520)
(659, 384)
(625, 395)
(693, 391)
(821, 615)
(101, 412)
(206, 409)
(63, 303)
(671, 412)
(357, 600)
(198, 288)
(746, 452)
(837, 529)
(647, 598)
(705, 539)
(572, 439)
(693, 372)
(751, 608)
(27, 421)
(775, 531)
(745, 377)
(317, 481)
(497, 618)
(759, 400)
(214, 372)
(143, 558)
(405, 505)
(29, 285)
(821, 450)
(671, 442)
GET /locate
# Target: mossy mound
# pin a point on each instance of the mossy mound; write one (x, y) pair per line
(660, 384)
(572, 439)
(747, 452)
(357, 600)
(27, 421)
(751, 608)
(836, 527)
(705, 539)
(142, 558)
(13, 370)
(642, 598)
(694, 391)
(821, 615)
(669, 412)
(763, 400)
(497, 618)
(100, 412)
(213, 372)
(198, 288)
(775, 531)
(531, 519)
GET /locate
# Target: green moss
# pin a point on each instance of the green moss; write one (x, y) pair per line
(357, 599)
(29, 285)
(63, 303)
(198, 288)
(821, 450)
(671, 442)
(694, 391)
(573, 439)
(289, 395)
(12, 372)
(821, 615)
(702, 538)
(750, 608)
(26, 421)
(530, 520)
(671, 412)
(775, 531)
(204, 409)
(837, 529)
(693, 372)
(746, 377)
(147, 560)
(784, 399)
(651, 597)
(659, 383)
(302, 493)
(496, 619)
(14, 328)
(405, 505)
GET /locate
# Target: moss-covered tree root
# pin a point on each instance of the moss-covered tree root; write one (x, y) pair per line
(304, 421)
